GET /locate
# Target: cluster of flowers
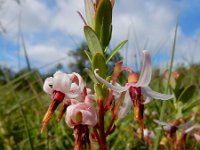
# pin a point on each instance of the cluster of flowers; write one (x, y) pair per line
(80, 103)
(71, 91)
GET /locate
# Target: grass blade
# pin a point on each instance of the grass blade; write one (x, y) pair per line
(164, 104)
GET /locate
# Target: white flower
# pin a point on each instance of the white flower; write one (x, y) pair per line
(143, 83)
(72, 85)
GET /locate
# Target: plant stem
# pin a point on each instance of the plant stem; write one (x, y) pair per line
(101, 126)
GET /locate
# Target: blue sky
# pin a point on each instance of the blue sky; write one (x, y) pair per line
(52, 28)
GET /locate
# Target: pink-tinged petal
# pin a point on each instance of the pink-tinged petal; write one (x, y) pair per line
(81, 113)
(79, 80)
(62, 82)
(147, 91)
(197, 137)
(145, 75)
(68, 118)
(89, 117)
(48, 84)
(109, 85)
(125, 108)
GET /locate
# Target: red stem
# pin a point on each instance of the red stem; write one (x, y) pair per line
(101, 126)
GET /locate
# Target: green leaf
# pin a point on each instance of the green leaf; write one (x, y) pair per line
(103, 22)
(187, 107)
(91, 75)
(90, 12)
(98, 91)
(116, 49)
(98, 62)
(187, 93)
(92, 41)
(88, 55)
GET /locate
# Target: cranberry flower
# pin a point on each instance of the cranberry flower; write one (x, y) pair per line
(140, 86)
(63, 83)
(81, 113)
(61, 87)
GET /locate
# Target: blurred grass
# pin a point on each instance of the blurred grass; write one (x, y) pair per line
(23, 104)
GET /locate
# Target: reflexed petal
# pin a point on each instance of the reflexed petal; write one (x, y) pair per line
(125, 108)
(47, 87)
(166, 126)
(186, 125)
(160, 122)
(81, 82)
(197, 137)
(192, 128)
(147, 91)
(145, 75)
(109, 85)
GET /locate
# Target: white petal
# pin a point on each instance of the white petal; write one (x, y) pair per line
(109, 85)
(145, 75)
(48, 84)
(62, 82)
(150, 93)
(72, 96)
(125, 108)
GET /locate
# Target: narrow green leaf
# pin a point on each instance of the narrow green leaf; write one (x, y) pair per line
(187, 93)
(98, 62)
(90, 12)
(103, 22)
(27, 128)
(88, 55)
(187, 107)
(116, 49)
(92, 41)
(91, 75)
(164, 104)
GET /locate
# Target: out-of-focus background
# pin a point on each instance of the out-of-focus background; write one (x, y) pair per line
(38, 37)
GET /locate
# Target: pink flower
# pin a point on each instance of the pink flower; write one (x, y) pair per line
(140, 87)
(81, 113)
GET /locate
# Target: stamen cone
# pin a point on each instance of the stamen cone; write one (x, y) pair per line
(62, 111)
(52, 107)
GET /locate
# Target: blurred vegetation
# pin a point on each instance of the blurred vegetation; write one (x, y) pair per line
(23, 104)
